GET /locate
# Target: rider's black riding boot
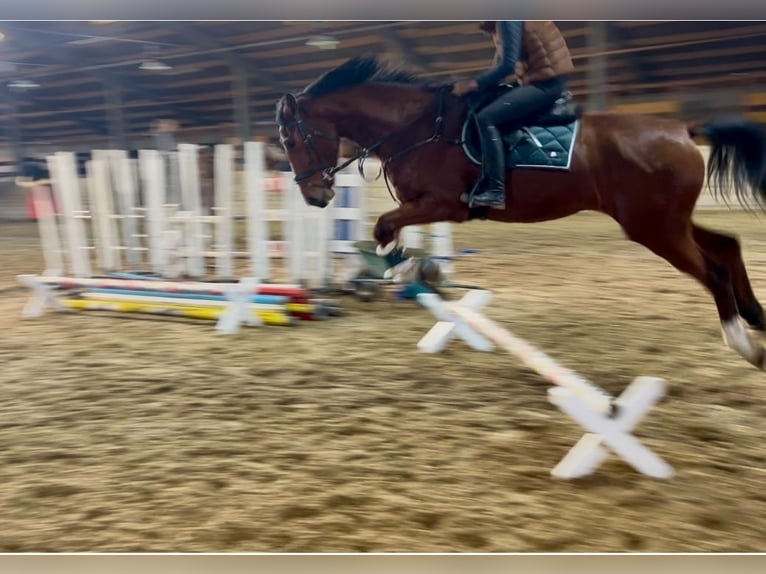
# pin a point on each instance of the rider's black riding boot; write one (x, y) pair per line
(490, 191)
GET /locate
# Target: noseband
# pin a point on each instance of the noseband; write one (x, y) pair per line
(307, 133)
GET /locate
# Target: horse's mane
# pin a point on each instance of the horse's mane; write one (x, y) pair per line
(358, 71)
(363, 70)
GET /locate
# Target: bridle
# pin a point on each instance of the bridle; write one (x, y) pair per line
(329, 169)
(308, 134)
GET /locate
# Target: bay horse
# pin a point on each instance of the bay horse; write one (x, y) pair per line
(643, 171)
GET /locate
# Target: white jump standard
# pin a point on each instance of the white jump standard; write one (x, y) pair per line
(609, 421)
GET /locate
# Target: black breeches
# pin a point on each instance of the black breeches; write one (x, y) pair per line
(518, 104)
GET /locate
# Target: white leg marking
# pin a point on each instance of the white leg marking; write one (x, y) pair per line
(735, 335)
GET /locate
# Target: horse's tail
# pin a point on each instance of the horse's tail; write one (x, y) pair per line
(737, 158)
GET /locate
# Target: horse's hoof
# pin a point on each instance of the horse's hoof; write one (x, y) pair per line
(383, 250)
(754, 317)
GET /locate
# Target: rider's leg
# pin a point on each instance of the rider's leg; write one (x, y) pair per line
(508, 111)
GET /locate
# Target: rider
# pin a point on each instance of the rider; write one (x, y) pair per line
(537, 54)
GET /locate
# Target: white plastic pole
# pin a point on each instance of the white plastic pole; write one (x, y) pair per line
(153, 172)
(102, 213)
(255, 196)
(224, 227)
(47, 223)
(190, 193)
(63, 168)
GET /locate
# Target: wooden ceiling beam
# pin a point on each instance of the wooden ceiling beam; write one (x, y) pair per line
(135, 104)
(756, 99)
(635, 61)
(72, 81)
(109, 78)
(673, 84)
(404, 49)
(453, 47)
(457, 48)
(238, 63)
(464, 28)
(318, 67)
(640, 23)
(726, 68)
(701, 55)
(703, 35)
(298, 31)
(259, 54)
(285, 32)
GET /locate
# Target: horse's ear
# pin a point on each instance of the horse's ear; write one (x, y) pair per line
(289, 104)
(287, 108)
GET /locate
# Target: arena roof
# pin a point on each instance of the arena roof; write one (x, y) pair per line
(77, 73)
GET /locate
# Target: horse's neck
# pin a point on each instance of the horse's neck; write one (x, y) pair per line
(373, 116)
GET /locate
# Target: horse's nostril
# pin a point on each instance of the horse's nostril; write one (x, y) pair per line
(317, 202)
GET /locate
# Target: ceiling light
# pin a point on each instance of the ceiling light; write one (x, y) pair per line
(23, 84)
(154, 66)
(323, 42)
(103, 21)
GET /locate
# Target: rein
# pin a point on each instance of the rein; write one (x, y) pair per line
(328, 171)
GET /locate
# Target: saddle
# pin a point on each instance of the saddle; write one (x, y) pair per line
(560, 113)
(545, 140)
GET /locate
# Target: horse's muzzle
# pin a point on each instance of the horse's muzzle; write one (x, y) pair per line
(321, 199)
(318, 201)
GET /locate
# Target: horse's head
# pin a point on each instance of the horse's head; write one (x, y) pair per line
(362, 100)
(311, 144)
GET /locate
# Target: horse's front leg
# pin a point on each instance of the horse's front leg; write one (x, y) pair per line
(389, 224)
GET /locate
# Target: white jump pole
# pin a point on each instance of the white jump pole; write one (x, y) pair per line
(257, 225)
(296, 224)
(47, 225)
(123, 171)
(102, 213)
(412, 237)
(442, 248)
(153, 174)
(574, 395)
(310, 234)
(190, 194)
(237, 309)
(66, 188)
(440, 244)
(223, 210)
(349, 221)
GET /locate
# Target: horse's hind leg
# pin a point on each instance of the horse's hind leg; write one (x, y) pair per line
(725, 250)
(678, 247)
